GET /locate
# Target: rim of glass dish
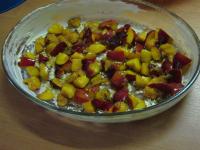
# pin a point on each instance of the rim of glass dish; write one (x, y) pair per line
(64, 110)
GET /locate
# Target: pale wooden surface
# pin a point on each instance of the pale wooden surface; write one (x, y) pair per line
(25, 126)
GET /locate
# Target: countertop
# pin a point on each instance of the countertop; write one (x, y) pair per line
(26, 126)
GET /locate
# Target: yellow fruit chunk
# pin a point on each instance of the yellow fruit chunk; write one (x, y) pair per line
(160, 79)
(43, 72)
(133, 100)
(93, 25)
(77, 56)
(141, 105)
(102, 94)
(29, 55)
(61, 38)
(72, 37)
(88, 107)
(142, 81)
(145, 69)
(71, 77)
(120, 107)
(168, 49)
(122, 67)
(170, 58)
(61, 58)
(136, 103)
(107, 64)
(155, 53)
(32, 71)
(50, 47)
(141, 36)
(76, 64)
(57, 83)
(61, 100)
(33, 83)
(145, 56)
(151, 39)
(151, 93)
(51, 38)
(38, 48)
(39, 44)
(98, 79)
(96, 48)
(129, 72)
(81, 81)
(47, 95)
(68, 90)
(55, 29)
(130, 36)
(90, 56)
(74, 22)
(95, 68)
(134, 64)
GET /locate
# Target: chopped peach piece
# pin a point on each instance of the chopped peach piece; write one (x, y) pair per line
(130, 36)
(145, 69)
(76, 64)
(32, 71)
(81, 81)
(61, 100)
(29, 55)
(151, 93)
(68, 90)
(168, 49)
(74, 22)
(145, 56)
(43, 71)
(55, 29)
(77, 55)
(61, 58)
(96, 48)
(155, 53)
(142, 81)
(47, 95)
(134, 64)
(33, 83)
(120, 107)
(88, 107)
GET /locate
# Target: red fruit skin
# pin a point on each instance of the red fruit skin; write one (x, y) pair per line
(107, 36)
(163, 37)
(166, 66)
(81, 96)
(25, 62)
(118, 80)
(138, 47)
(78, 47)
(110, 72)
(61, 69)
(120, 95)
(107, 24)
(59, 72)
(130, 77)
(94, 89)
(175, 76)
(167, 88)
(87, 37)
(59, 48)
(102, 105)
(42, 58)
(85, 67)
(180, 61)
(116, 55)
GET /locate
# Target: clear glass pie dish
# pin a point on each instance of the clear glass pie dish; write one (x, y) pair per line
(137, 13)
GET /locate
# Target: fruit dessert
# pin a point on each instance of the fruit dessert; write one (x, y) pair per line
(103, 66)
